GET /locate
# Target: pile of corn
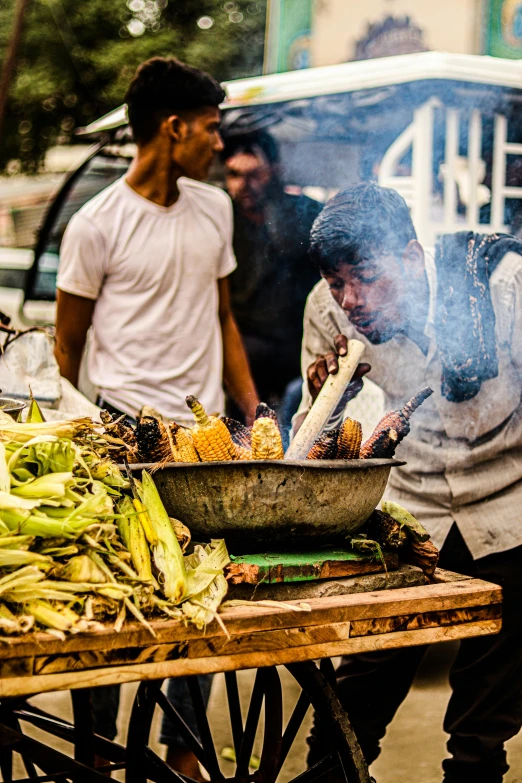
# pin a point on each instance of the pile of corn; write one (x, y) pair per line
(211, 438)
(77, 551)
(214, 438)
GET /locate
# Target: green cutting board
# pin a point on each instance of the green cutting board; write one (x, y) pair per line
(328, 563)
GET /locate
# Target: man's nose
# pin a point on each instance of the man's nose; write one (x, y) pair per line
(350, 299)
(218, 144)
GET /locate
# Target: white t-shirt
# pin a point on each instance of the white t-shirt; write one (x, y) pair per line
(153, 272)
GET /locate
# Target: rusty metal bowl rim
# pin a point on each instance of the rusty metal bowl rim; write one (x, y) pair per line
(319, 464)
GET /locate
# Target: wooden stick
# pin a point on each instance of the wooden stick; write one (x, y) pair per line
(326, 402)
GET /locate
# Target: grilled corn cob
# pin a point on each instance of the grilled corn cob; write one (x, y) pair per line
(325, 447)
(182, 444)
(263, 411)
(349, 440)
(116, 427)
(266, 440)
(212, 439)
(242, 452)
(240, 434)
(399, 421)
(153, 440)
(380, 446)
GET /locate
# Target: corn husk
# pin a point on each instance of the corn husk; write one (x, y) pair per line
(60, 429)
(75, 550)
(167, 553)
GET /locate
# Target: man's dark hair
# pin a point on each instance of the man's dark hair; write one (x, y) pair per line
(255, 143)
(358, 224)
(164, 86)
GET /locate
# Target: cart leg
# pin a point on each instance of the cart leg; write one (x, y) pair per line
(83, 726)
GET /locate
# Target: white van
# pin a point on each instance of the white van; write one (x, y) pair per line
(443, 129)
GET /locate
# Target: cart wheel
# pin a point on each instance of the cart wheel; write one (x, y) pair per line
(343, 762)
(77, 765)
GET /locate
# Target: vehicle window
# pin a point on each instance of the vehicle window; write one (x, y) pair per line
(100, 172)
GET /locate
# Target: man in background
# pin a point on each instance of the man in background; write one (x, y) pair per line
(274, 275)
(146, 263)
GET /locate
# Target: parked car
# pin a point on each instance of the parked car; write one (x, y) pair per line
(443, 129)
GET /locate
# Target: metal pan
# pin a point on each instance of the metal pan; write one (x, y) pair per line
(274, 504)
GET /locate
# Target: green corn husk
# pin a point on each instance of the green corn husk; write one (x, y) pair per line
(167, 553)
(5, 477)
(18, 557)
(14, 624)
(42, 526)
(205, 569)
(403, 517)
(202, 608)
(139, 549)
(12, 502)
(27, 575)
(51, 486)
(82, 568)
(59, 551)
(23, 433)
(34, 414)
(44, 455)
(16, 542)
(45, 614)
(125, 510)
(211, 562)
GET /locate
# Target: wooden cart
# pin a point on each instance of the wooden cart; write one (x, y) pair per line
(258, 636)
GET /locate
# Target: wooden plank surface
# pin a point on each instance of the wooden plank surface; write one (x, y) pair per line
(15, 686)
(256, 635)
(254, 617)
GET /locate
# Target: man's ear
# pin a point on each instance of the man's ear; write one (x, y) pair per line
(175, 127)
(413, 258)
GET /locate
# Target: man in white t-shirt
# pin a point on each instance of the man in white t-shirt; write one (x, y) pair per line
(145, 263)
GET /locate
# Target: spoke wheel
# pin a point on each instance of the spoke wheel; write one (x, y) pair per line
(343, 761)
(39, 758)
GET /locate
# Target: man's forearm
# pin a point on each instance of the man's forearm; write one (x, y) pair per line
(69, 361)
(236, 372)
(73, 319)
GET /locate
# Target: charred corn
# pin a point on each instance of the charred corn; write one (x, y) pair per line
(379, 444)
(183, 449)
(153, 440)
(240, 434)
(212, 439)
(325, 447)
(263, 411)
(117, 427)
(266, 440)
(350, 439)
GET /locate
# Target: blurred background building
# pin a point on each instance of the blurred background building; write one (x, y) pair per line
(304, 33)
